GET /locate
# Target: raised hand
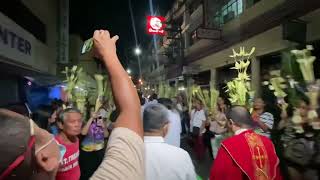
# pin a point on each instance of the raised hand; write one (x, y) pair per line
(104, 45)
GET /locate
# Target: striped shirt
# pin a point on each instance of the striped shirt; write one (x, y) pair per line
(267, 119)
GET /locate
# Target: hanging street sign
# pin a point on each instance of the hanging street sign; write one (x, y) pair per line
(156, 25)
(206, 33)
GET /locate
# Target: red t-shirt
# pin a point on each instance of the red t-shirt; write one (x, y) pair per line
(69, 168)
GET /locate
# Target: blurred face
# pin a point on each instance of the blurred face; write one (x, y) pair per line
(230, 126)
(303, 109)
(179, 98)
(100, 122)
(174, 100)
(72, 124)
(258, 104)
(197, 105)
(220, 101)
(106, 105)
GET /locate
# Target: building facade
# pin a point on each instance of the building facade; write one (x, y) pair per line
(209, 30)
(30, 32)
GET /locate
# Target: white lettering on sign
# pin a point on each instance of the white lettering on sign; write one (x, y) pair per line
(208, 33)
(156, 30)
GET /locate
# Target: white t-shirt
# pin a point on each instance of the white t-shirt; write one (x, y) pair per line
(197, 118)
(166, 162)
(179, 107)
(173, 136)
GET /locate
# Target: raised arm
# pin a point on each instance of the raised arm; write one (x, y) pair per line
(124, 93)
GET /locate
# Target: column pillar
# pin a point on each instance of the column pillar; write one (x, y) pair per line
(256, 76)
(186, 18)
(213, 78)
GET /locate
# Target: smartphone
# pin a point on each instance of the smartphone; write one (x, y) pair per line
(87, 46)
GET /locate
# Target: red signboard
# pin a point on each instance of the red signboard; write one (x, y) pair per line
(156, 25)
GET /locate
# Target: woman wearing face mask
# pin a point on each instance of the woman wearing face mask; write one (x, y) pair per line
(92, 146)
(27, 151)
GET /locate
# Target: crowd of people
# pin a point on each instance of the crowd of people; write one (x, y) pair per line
(141, 138)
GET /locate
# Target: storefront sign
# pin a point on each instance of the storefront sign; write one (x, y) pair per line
(156, 25)
(13, 40)
(16, 44)
(205, 33)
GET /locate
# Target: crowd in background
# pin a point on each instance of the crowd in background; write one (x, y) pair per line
(299, 152)
(112, 143)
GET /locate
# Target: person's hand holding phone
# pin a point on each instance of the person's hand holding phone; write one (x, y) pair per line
(104, 45)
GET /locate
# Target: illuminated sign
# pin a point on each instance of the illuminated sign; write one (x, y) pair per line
(156, 25)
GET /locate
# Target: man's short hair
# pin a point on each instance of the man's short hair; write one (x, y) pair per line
(63, 113)
(240, 116)
(154, 96)
(166, 102)
(155, 116)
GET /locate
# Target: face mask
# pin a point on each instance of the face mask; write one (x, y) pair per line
(62, 148)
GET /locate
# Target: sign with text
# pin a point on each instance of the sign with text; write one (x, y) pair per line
(205, 33)
(156, 25)
(16, 44)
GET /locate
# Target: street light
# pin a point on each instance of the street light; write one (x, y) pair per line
(128, 71)
(137, 51)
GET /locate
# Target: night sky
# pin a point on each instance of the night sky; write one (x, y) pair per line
(114, 15)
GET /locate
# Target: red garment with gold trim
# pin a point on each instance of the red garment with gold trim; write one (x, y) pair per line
(246, 156)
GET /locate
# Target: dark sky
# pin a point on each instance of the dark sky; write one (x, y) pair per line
(114, 15)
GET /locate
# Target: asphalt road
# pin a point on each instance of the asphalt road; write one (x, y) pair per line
(202, 167)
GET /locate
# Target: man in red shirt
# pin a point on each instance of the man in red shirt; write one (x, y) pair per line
(69, 122)
(246, 155)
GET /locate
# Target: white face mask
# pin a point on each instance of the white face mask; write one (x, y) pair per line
(62, 149)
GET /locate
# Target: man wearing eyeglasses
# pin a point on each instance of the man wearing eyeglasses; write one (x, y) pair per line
(246, 155)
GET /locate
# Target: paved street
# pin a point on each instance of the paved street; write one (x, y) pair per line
(202, 167)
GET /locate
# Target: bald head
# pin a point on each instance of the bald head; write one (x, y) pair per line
(240, 116)
(14, 136)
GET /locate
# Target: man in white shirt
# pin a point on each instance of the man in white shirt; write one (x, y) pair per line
(163, 161)
(173, 136)
(198, 118)
(197, 123)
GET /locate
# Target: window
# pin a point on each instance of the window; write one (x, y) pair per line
(250, 3)
(21, 15)
(231, 10)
